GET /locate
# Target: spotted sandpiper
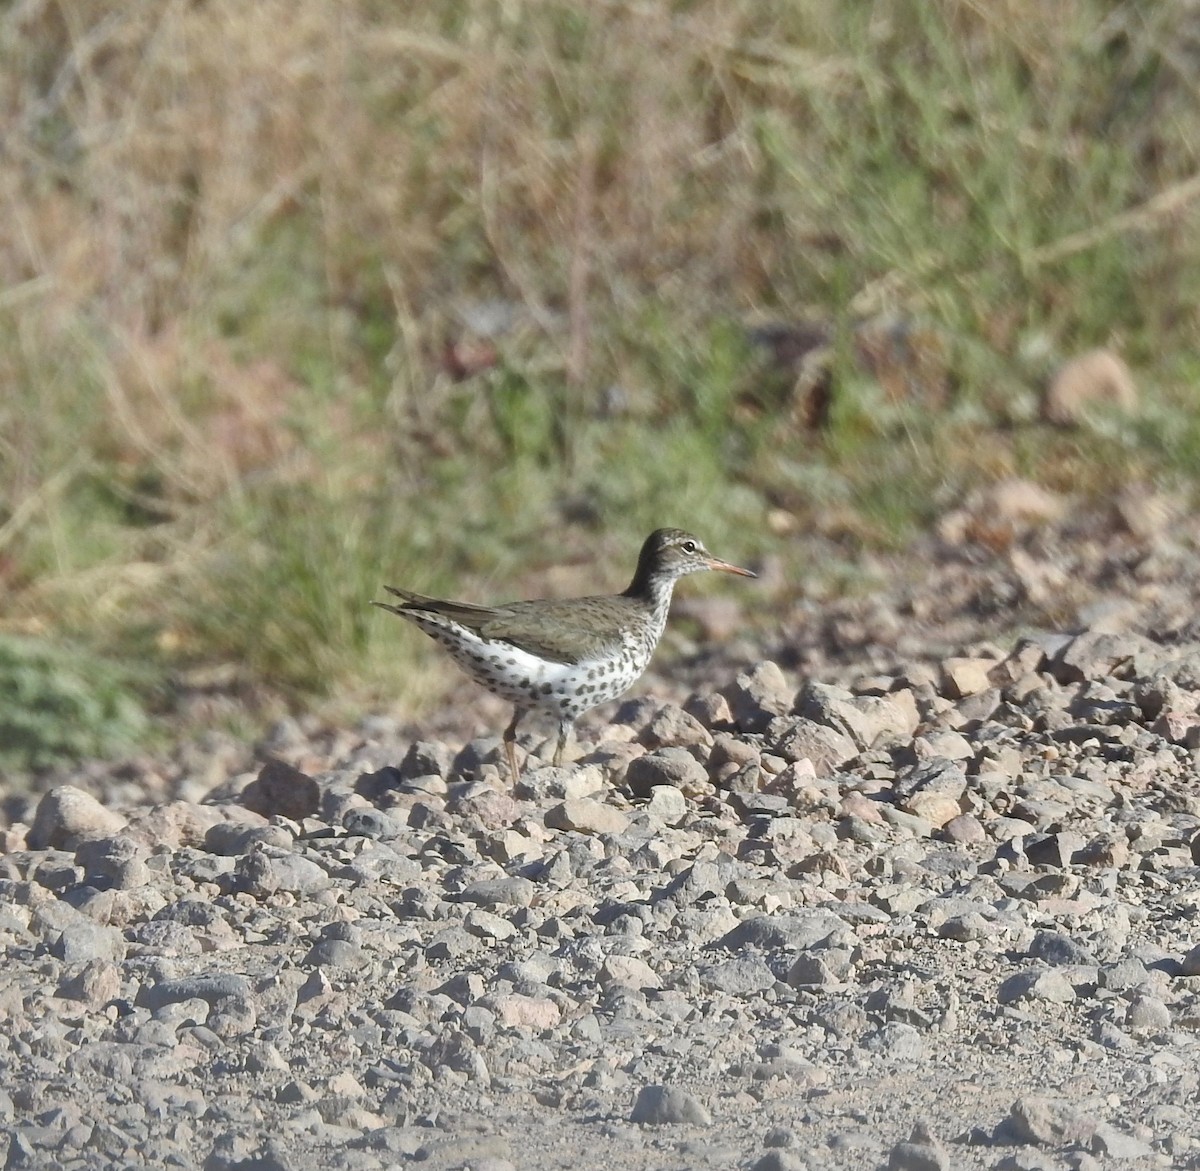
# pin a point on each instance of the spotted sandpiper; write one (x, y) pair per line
(564, 656)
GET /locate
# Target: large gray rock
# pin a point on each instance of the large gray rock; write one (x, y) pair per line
(795, 738)
(757, 696)
(666, 1106)
(676, 767)
(67, 816)
(863, 718)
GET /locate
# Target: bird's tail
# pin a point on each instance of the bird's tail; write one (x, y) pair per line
(411, 601)
(389, 606)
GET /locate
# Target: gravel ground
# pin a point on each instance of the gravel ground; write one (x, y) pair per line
(888, 888)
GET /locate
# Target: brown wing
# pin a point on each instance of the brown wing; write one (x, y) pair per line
(464, 613)
(563, 631)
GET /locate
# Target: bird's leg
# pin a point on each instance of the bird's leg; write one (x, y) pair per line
(510, 746)
(564, 730)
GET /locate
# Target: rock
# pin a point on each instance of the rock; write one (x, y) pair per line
(779, 1161)
(465, 1151)
(964, 829)
(209, 988)
(67, 816)
(514, 1010)
(1057, 949)
(759, 695)
(1095, 655)
(380, 787)
(118, 862)
(752, 804)
(482, 805)
(941, 742)
(1036, 984)
(334, 954)
(550, 783)
(1055, 849)
(660, 1105)
(698, 881)
(922, 1152)
(620, 969)
(1022, 503)
(910, 823)
(796, 932)
(936, 775)
(864, 718)
(731, 754)
(280, 790)
(1096, 378)
(712, 710)
(742, 976)
(667, 805)
(1124, 974)
(1109, 1142)
(809, 970)
(300, 875)
(586, 816)
(635, 713)
(935, 808)
(1047, 1122)
(1190, 964)
(1145, 513)
(1149, 1013)
(917, 1157)
(377, 824)
(488, 926)
(425, 758)
(232, 1152)
(962, 677)
(672, 727)
(451, 944)
(781, 1062)
(966, 927)
(81, 941)
(230, 839)
(174, 825)
(511, 891)
(801, 739)
(897, 1041)
(667, 766)
(256, 874)
(232, 1016)
(95, 984)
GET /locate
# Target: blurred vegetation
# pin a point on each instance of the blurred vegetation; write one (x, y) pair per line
(62, 701)
(299, 298)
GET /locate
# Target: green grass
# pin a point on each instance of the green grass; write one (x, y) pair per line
(228, 418)
(62, 702)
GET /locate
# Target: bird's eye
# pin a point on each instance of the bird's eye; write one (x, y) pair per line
(689, 546)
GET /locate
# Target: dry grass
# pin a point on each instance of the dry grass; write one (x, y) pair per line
(242, 242)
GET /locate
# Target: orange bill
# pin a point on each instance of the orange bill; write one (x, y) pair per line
(725, 567)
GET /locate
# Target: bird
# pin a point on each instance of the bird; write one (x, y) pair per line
(563, 656)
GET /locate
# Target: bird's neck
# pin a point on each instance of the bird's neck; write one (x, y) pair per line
(653, 591)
